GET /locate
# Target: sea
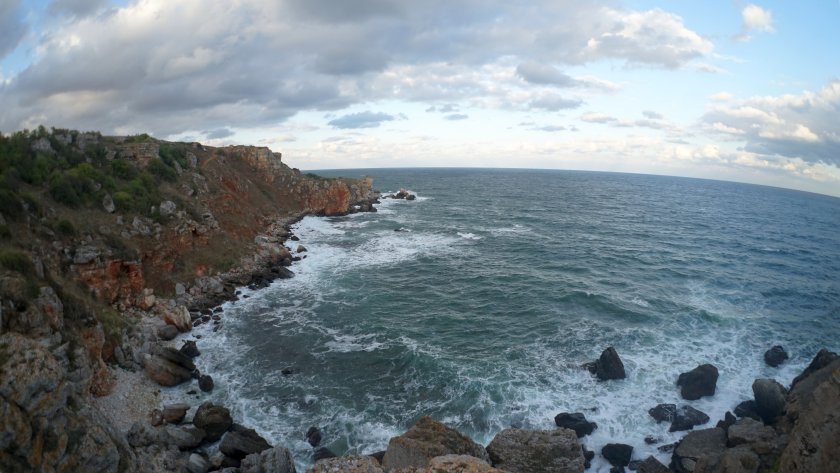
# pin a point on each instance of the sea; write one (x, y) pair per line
(479, 302)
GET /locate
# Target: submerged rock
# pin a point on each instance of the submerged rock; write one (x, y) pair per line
(699, 382)
(205, 383)
(425, 440)
(575, 421)
(663, 412)
(536, 451)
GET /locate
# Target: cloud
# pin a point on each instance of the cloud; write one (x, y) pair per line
(537, 73)
(76, 7)
(652, 115)
(219, 133)
(755, 18)
(12, 27)
(361, 120)
(551, 128)
(554, 103)
(456, 117)
(596, 117)
(794, 125)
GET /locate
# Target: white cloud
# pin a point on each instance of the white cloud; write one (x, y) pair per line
(755, 18)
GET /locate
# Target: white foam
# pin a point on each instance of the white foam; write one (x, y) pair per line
(351, 343)
(469, 236)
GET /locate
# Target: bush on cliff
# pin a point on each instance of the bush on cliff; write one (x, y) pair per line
(160, 169)
(14, 260)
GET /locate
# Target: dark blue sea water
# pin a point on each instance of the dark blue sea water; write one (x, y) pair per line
(504, 282)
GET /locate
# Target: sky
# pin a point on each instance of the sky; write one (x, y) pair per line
(721, 89)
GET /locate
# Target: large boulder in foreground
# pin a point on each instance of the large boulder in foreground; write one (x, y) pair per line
(575, 421)
(812, 421)
(350, 464)
(214, 420)
(701, 446)
(769, 399)
(536, 451)
(699, 382)
(273, 460)
(425, 440)
(608, 366)
(239, 442)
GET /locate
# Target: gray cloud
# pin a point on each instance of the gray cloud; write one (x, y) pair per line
(793, 126)
(361, 120)
(652, 115)
(175, 67)
(456, 116)
(218, 133)
(76, 7)
(12, 27)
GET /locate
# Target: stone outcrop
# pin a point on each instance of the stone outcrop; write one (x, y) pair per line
(607, 366)
(425, 440)
(214, 420)
(272, 460)
(701, 447)
(769, 399)
(351, 464)
(239, 442)
(536, 451)
(699, 382)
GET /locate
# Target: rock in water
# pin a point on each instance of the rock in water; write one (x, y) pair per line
(273, 460)
(686, 417)
(618, 454)
(769, 399)
(190, 349)
(313, 436)
(663, 412)
(575, 421)
(775, 356)
(239, 442)
(214, 420)
(747, 409)
(608, 366)
(536, 451)
(425, 440)
(699, 382)
(205, 383)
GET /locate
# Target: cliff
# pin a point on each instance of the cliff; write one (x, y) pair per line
(98, 235)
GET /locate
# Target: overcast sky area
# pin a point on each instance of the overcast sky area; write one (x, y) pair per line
(718, 89)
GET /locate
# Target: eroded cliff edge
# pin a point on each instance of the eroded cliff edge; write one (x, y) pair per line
(98, 233)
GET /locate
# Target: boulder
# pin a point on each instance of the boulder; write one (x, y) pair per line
(751, 433)
(707, 445)
(608, 366)
(524, 451)
(190, 349)
(618, 454)
(165, 372)
(728, 421)
(197, 464)
(239, 442)
(812, 421)
(179, 317)
(143, 435)
(167, 208)
(108, 204)
(775, 356)
(167, 332)
(301, 249)
(184, 437)
(205, 383)
(823, 359)
(699, 382)
(351, 464)
(175, 356)
(687, 417)
(663, 412)
(652, 465)
(738, 460)
(460, 464)
(174, 413)
(769, 399)
(214, 420)
(747, 409)
(313, 436)
(425, 440)
(575, 421)
(272, 460)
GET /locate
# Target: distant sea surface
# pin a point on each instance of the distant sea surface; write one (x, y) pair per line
(500, 284)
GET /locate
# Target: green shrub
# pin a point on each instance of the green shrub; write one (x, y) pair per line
(10, 204)
(19, 261)
(123, 169)
(62, 189)
(160, 169)
(171, 154)
(65, 228)
(32, 204)
(123, 200)
(141, 138)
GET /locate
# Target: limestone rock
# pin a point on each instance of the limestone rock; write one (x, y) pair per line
(706, 444)
(197, 464)
(769, 399)
(272, 460)
(239, 442)
(184, 437)
(167, 208)
(108, 204)
(460, 464)
(823, 359)
(174, 413)
(523, 451)
(179, 316)
(351, 464)
(167, 332)
(751, 433)
(699, 382)
(165, 372)
(425, 440)
(575, 421)
(214, 420)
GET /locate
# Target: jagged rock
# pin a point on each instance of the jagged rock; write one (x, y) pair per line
(747, 409)
(351, 464)
(165, 372)
(460, 464)
(663, 412)
(775, 356)
(687, 417)
(142, 225)
(823, 359)
(652, 465)
(812, 420)
(707, 445)
(179, 316)
(205, 383)
(727, 421)
(608, 366)
(588, 456)
(408, 197)
(180, 290)
(156, 417)
(425, 440)
(321, 453)
(272, 460)
(738, 460)
(214, 420)
(313, 436)
(524, 451)
(197, 464)
(175, 356)
(174, 413)
(108, 204)
(752, 433)
(699, 382)
(769, 399)
(167, 332)
(184, 437)
(86, 254)
(239, 442)
(618, 454)
(190, 349)
(167, 208)
(575, 421)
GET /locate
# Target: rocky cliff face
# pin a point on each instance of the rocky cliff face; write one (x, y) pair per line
(142, 229)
